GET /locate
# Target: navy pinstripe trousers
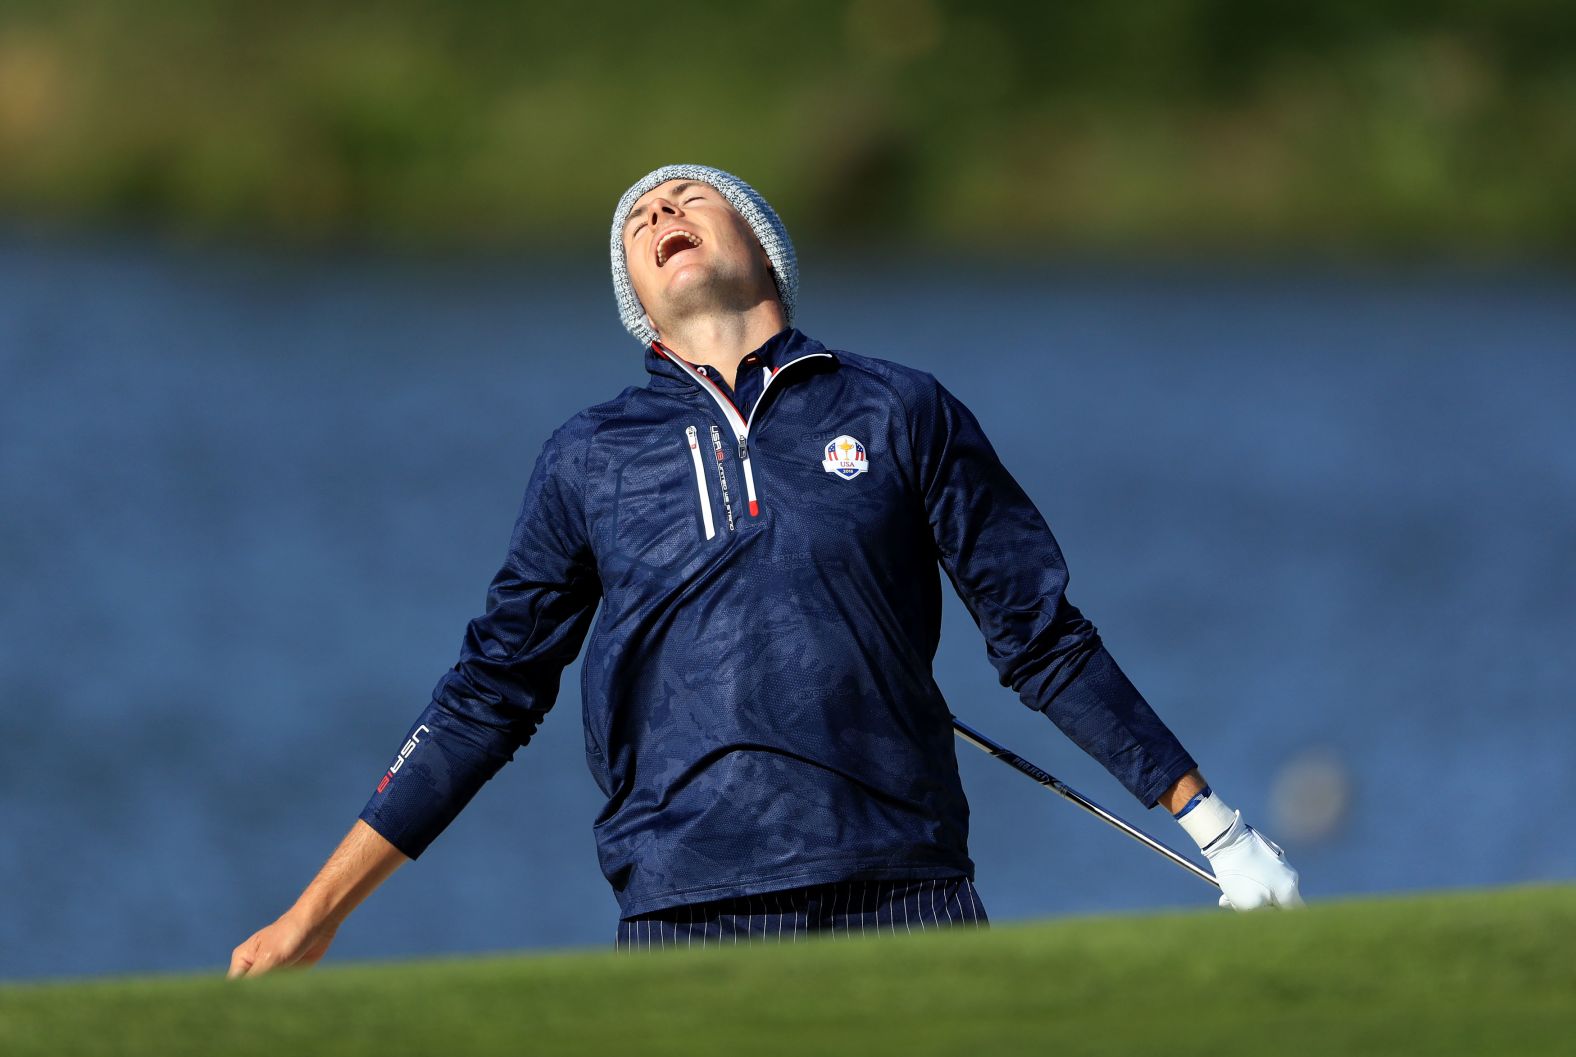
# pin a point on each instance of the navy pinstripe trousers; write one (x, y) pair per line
(850, 908)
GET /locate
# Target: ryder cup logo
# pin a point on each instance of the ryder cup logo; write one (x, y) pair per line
(845, 457)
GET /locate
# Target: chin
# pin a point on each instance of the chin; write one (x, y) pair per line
(693, 287)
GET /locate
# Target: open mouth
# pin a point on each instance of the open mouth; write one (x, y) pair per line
(674, 243)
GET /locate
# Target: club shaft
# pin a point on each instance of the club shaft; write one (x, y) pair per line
(1067, 792)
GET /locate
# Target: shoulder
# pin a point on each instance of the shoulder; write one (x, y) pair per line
(922, 395)
(913, 386)
(904, 377)
(572, 438)
(563, 461)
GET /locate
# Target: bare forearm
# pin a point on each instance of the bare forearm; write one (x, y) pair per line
(302, 934)
(1183, 790)
(363, 860)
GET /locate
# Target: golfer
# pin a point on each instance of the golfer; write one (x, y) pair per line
(756, 532)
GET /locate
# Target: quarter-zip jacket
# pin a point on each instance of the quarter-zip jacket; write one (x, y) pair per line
(759, 705)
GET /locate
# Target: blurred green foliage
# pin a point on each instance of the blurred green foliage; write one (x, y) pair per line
(1405, 125)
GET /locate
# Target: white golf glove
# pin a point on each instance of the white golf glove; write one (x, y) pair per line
(1252, 870)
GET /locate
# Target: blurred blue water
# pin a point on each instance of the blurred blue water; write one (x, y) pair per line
(247, 504)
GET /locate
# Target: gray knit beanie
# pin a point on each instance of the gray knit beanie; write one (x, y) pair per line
(741, 196)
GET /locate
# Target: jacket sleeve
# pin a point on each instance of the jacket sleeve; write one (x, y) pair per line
(538, 610)
(1007, 568)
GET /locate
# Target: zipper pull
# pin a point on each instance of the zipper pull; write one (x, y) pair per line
(744, 451)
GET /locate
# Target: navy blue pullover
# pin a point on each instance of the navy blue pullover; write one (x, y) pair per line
(759, 705)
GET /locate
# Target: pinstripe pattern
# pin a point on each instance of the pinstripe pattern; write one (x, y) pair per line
(840, 911)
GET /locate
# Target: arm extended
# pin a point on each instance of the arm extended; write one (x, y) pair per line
(302, 934)
(539, 606)
(1009, 571)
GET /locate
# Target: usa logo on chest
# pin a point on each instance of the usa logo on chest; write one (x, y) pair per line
(845, 457)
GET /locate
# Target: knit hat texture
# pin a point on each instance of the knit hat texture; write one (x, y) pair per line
(769, 231)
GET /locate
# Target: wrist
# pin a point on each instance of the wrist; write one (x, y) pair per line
(307, 917)
(1205, 817)
(319, 908)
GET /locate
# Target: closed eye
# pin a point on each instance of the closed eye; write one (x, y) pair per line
(637, 228)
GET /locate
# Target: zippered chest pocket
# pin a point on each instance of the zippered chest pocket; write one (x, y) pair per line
(701, 487)
(709, 459)
(672, 500)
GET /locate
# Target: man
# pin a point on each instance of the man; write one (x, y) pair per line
(761, 525)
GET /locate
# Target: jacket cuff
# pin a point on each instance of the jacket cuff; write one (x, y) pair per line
(443, 762)
(1101, 711)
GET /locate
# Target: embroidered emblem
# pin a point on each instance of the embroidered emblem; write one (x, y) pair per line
(845, 457)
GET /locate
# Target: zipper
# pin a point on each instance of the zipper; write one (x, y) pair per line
(700, 481)
(722, 474)
(741, 425)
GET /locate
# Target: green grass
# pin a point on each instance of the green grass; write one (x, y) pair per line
(1485, 972)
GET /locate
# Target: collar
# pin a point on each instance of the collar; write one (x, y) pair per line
(787, 344)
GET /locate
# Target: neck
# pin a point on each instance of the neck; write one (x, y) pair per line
(721, 339)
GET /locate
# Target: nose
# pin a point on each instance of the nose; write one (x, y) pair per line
(661, 206)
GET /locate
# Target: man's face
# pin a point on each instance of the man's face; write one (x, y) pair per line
(689, 250)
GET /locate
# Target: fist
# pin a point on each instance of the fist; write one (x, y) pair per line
(1252, 871)
(287, 942)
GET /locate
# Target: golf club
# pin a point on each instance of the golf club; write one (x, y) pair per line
(1067, 792)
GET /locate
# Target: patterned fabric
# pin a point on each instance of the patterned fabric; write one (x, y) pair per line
(763, 220)
(759, 706)
(830, 911)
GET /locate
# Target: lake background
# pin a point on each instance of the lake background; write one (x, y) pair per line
(1271, 309)
(1325, 518)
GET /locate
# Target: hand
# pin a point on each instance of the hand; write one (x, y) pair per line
(1252, 871)
(289, 942)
